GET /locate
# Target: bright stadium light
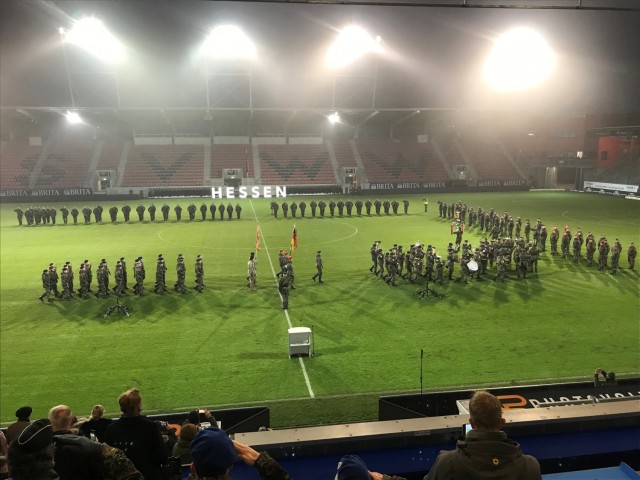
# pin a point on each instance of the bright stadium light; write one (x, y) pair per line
(352, 43)
(521, 58)
(90, 34)
(334, 118)
(73, 117)
(229, 41)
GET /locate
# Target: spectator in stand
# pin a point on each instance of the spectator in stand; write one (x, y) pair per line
(197, 417)
(31, 456)
(137, 436)
(16, 428)
(213, 454)
(96, 424)
(486, 452)
(182, 448)
(351, 467)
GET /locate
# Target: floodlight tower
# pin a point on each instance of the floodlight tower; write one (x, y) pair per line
(352, 44)
(91, 35)
(228, 43)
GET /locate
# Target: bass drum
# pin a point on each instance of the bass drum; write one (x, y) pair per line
(472, 265)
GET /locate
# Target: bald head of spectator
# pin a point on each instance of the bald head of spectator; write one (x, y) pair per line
(61, 418)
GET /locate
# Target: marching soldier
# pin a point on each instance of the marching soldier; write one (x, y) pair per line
(615, 257)
(53, 280)
(123, 264)
(70, 270)
(83, 291)
(229, 211)
(303, 207)
(86, 213)
(178, 210)
(603, 254)
(46, 284)
(359, 205)
(405, 204)
(340, 205)
(502, 270)
(221, 211)
(322, 206)
(394, 207)
(313, 205)
(591, 250)
(294, 209)
(239, 211)
(199, 271)
(113, 213)
(20, 214)
(377, 204)
(191, 210)
(632, 252)
(138, 274)
(285, 208)
(274, 208)
(181, 273)
(126, 210)
(212, 210)
(74, 215)
(96, 214)
(152, 212)
(367, 206)
(161, 270)
(576, 248)
(65, 214)
(349, 205)
(332, 207)
(386, 205)
(165, 212)
(203, 212)
(119, 288)
(318, 274)
(284, 284)
(89, 271)
(374, 258)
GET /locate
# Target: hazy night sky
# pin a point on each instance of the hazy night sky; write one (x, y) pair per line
(433, 56)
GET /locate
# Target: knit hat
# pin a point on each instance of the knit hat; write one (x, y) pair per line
(37, 436)
(24, 412)
(212, 452)
(351, 467)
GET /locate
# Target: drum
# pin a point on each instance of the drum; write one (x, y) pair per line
(472, 266)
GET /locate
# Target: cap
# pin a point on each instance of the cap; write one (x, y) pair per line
(37, 436)
(319, 251)
(351, 467)
(212, 452)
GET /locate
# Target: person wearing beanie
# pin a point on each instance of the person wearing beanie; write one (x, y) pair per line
(213, 453)
(486, 452)
(16, 428)
(182, 448)
(351, 467)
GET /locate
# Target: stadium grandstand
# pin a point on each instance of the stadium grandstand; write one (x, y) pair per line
(413, 117)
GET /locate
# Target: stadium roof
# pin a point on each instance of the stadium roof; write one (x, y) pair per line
(432, 59)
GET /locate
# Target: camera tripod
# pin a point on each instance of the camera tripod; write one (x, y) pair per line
(121, 309)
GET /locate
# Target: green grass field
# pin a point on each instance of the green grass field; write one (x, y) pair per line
(228, 346)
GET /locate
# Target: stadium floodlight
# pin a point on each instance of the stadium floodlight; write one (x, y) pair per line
(90, 34)
(334, 118)
(521, 58)
(229, 41)
(73, 117)
(352, 43)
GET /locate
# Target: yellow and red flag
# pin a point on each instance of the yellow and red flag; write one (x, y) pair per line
(257, 238)
(294, 238)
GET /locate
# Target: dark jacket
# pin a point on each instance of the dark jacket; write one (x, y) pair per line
(485, 455)
(77, 457)
(97, 426)
(140, 440)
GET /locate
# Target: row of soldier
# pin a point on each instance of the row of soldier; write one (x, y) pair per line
(46, 215)
(51, 279)
(505, 225)
(340, 207)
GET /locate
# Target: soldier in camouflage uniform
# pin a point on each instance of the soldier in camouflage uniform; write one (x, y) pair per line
(126, 211)
(152, 212)
(213, 210)
(349, 205)
(181, 270)
(553, 239)
(615, 257)
(89, 270)
(199, 271)
(319, 267)
(119, 277)
(576, 248)
(374, 258)
(603, 254)
(303, 207)
(367, 205)
(113, 213)
(632, 252)
(340, 205)
(321, 207)
(501, 270)
(239, 211)
(313, 205)
(46, 284)
(285, 208)
(165, 212)
(203, 212)
(332, 207)
(252, 271)
(591, 250)
(161, 271)
(178, 210)
(138, 275)
(284, 285)
(221, 211)
(191, 210)
(294, 209)
(359, 207)
(84, 282)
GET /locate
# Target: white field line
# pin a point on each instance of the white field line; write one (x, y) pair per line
(286, 312)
